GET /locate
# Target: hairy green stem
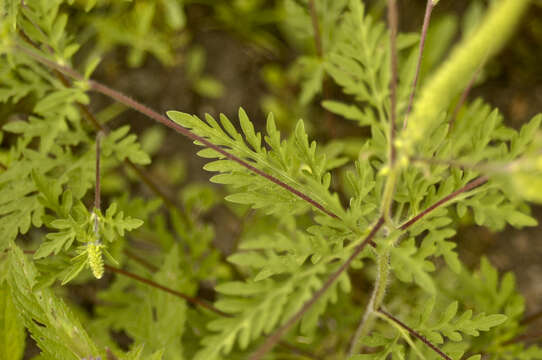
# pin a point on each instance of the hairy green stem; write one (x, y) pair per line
(387, 196)
(377, 297)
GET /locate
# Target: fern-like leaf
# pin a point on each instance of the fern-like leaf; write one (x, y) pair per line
(53, 326)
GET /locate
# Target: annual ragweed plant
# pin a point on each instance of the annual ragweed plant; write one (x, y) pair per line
(311, 216)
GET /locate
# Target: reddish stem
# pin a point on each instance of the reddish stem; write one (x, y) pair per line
(525, 338)
(393, 24)
(531, 318)
(97, 189)
(415, 334)
(275, 337)
(99, 127)
(316, 29)
(425, 27)
(140, 260)
(320, 52)
(123, 99)
(475, 183)
(190, 299)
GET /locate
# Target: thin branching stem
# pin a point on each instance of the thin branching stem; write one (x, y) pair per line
(140, 260)
(525, 338)
(294, 349)
(97, 188)
(275, 336)
(131, 103)
(473, 184)
(110, 355)
(531, 318)
(320, 52)
(316, 29)
(393, 25)
(87, 114)
(375, 301)
(198, 302)
(188, 298)
(414, 333)
(425, 27)
(168, 200)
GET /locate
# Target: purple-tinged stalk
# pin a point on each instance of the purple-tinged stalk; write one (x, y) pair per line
(393, 21)
(533, 317)
(140, 260)
(473, 184)
(87, 114)
(97, 188)
(274, 338)
(197, 302)
(425, 27)
(188, 298)
(414, 333)
(320, 52)
(110, 355)
(131, 103)
(380, 286)
(192, 300)
(316, 29)
(525, 338)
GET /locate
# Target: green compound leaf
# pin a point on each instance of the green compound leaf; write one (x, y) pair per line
(53, 326)
(295, 162)
(124, 146)
(455, 326)
(12, 334)
(161, 317)
(409, 265)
